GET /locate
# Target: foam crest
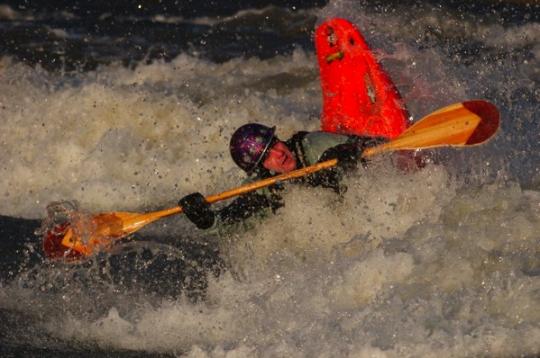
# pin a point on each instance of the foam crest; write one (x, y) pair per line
(316, 222)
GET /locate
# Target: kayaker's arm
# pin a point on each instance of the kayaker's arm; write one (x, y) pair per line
(198, 210)
(348, 155)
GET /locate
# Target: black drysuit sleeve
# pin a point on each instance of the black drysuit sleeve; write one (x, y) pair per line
(198, 210)
(348, 155)
(248, 205)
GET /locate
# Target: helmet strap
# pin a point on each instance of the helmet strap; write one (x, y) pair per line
(261, 172)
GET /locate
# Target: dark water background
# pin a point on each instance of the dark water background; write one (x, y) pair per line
(100, 32)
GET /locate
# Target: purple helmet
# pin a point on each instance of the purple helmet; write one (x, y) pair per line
(249, 145)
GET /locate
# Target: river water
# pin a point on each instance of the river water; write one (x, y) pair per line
(133, 107)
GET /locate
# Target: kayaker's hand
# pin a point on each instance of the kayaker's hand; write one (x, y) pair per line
(348, 155)
(197, 209)
(368, 142)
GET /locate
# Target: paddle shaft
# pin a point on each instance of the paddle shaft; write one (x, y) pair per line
(153, 216)
(455, 125)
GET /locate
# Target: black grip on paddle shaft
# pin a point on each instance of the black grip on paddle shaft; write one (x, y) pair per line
(349, 154)
(197, 209)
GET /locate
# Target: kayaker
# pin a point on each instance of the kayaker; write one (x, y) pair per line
(361, 108)
(260, 153)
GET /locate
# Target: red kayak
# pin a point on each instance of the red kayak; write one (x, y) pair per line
(358, 96)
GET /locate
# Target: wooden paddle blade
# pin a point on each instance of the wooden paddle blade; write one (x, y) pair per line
(106, 228)
(121, 224)
(86, 237)
(117, 224)
(461, 124)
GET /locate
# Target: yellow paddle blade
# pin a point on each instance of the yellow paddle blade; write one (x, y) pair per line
(105, 228)
(88, 236)
(128, 222)
(461, 124)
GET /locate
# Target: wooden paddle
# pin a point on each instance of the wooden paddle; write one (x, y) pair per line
(459, 125)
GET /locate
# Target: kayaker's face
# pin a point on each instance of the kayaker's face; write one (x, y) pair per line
(279, 159)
